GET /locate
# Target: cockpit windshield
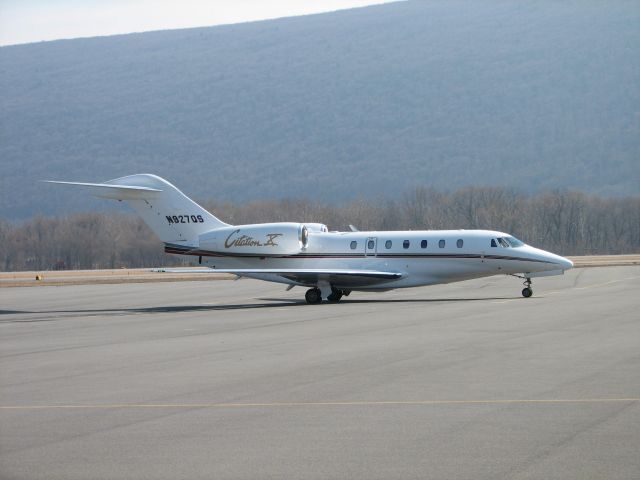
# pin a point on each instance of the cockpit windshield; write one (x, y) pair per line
(514, 242)
(508, 242)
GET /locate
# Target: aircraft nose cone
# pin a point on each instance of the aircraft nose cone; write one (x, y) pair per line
(566, 263)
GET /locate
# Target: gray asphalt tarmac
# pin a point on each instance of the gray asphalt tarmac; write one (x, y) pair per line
(244, 380)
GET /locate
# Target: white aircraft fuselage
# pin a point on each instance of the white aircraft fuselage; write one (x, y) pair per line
(330, 264)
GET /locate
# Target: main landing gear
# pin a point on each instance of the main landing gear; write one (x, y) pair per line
(314, 295)
(335, 295)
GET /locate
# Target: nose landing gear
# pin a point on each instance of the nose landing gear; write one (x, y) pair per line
(527, 291)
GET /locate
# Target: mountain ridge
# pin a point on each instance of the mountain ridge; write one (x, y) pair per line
(358, 103)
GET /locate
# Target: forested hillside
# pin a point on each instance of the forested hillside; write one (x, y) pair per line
(364, 103)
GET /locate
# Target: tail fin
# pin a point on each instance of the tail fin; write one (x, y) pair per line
(173, 216)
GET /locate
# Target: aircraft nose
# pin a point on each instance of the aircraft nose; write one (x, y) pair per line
(566, 263)
(558, 262)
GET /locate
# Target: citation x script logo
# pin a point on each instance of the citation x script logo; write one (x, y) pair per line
(233, 240)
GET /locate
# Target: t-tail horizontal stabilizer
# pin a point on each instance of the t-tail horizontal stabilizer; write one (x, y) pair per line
(115, 192)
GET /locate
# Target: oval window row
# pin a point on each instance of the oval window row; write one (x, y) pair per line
(406, 244)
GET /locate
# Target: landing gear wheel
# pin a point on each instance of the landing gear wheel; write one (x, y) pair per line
(335, 296)
(313, 295)
(526, 291)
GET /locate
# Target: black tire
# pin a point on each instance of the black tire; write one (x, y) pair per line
(527, 292)
(313, 296)
(335, 296)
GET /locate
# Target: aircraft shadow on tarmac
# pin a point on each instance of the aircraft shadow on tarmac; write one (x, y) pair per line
(392, 300)
(265, 304)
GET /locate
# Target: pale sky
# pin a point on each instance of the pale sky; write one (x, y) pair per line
(27, 21)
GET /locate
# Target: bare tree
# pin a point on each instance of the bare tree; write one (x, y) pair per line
(561, 221)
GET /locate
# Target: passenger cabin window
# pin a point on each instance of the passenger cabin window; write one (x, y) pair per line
(460, 243)
(493, 242)
(387, 244)
(371, 244)
(354, 245)
(441, 243)
(406, 244)
(423, 244)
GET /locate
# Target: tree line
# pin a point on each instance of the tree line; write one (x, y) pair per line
(568, 223)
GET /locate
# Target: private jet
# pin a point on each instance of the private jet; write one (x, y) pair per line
(329, 264)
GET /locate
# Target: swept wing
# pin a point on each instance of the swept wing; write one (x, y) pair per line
(342, 278)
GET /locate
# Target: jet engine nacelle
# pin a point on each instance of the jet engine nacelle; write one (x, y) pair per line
(259, 239)
(316, 227)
